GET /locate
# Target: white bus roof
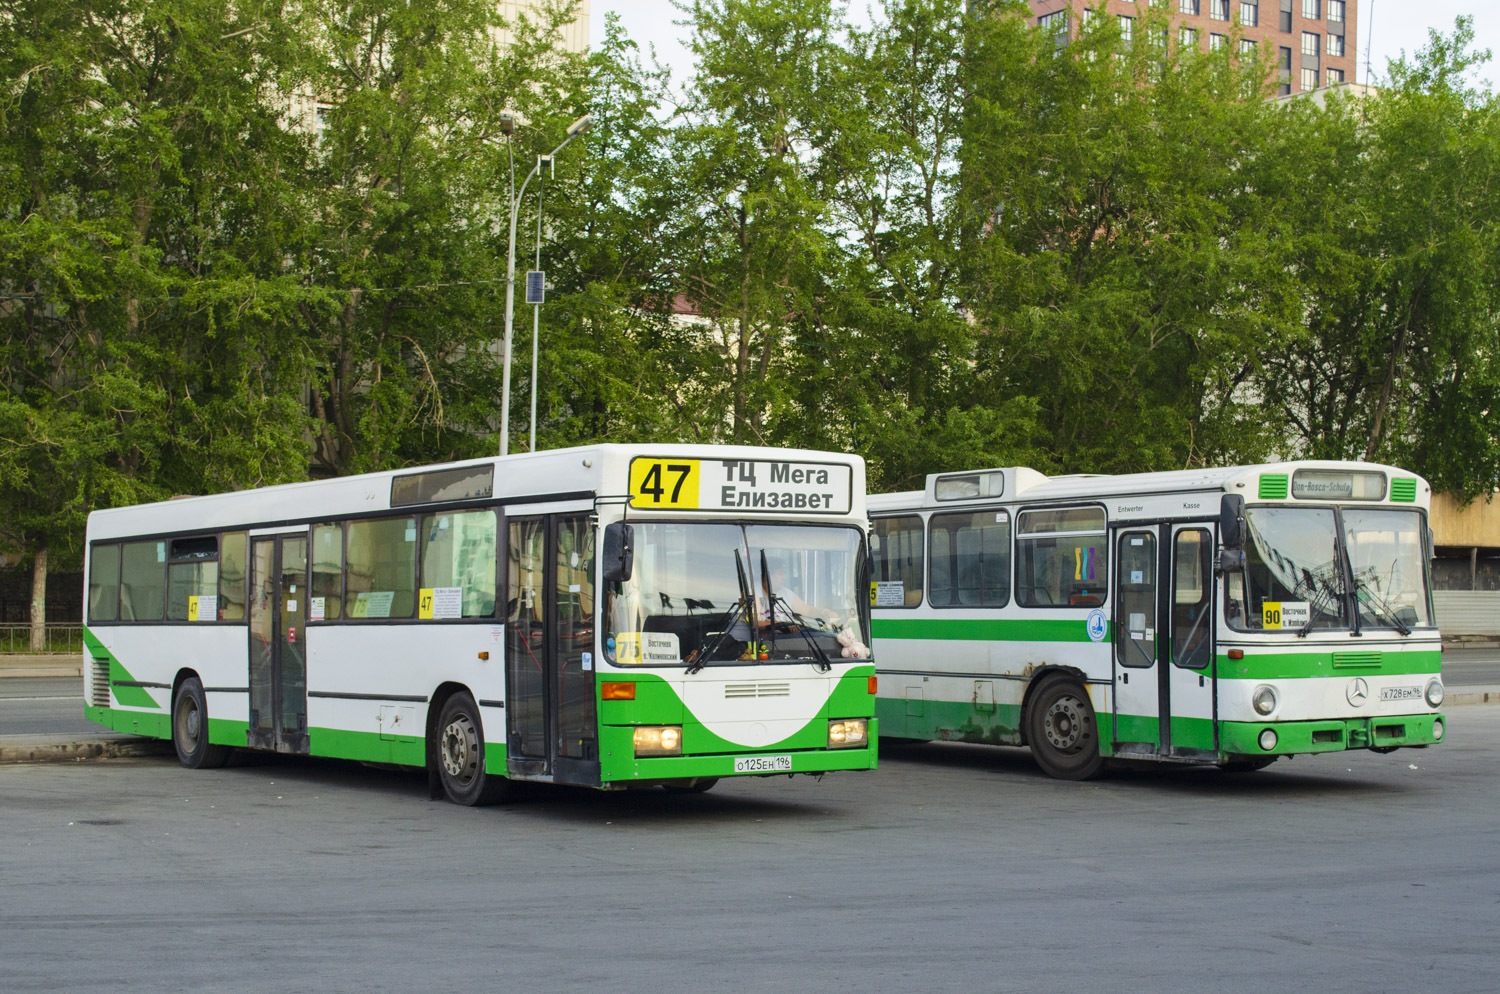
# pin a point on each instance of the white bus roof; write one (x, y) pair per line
(583, 470)
(1019, 483)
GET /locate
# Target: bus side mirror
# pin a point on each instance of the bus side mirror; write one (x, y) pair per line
(1232, 521)
(619, 552)
(1231, 534)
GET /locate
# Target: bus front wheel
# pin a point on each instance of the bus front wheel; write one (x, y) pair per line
(190, 729)
(1062, 731)
(460, 755)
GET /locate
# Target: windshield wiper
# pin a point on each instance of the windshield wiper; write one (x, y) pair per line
(824, 665)
(740, 608)
(1380, 604)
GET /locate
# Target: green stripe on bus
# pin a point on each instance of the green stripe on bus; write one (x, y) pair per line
(984, 629)
(1271, 665)
(130, 697)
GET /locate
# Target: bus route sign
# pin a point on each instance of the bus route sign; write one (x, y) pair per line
(740, 485)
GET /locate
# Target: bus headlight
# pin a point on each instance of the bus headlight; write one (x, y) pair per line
(848, 733)
(1264, 699)
(1268, 739)
(1435, 692)
(660, 740)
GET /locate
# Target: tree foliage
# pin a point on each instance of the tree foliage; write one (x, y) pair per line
(243, 243)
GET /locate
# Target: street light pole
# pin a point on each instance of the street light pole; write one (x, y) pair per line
(574, 130)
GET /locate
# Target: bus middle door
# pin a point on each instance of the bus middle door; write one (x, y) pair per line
(278, 643)
(1139, 730)
(552, 723)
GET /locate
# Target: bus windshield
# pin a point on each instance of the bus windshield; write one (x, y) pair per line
(1390, 576)
(686, 601)
(1295, 577)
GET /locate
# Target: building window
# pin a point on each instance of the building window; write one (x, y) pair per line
(1335, 44)
(1285, 21)
(1159, 36)
(1247, 46)
(1057, 23)
(1218, 10)
(1127, 28)
(1310, 10)
(1088, 16)
(1286, 59)
(1335, 10)
(1250, 14)
(1189, 37)
(1335, 77)
(1187, 6)
(1283, 89)
(1309, 79)
(1309, 43)
(1216, 42)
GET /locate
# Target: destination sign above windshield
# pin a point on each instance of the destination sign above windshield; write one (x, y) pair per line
(751, 485)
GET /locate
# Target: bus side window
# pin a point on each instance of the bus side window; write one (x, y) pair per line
(896, 556)
(104, 583)
(143, 580)
(233, 554)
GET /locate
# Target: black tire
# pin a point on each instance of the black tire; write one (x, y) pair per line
(1248, 765)
(190, 729)
(459, 753)
(1063, 731)
(700, 786)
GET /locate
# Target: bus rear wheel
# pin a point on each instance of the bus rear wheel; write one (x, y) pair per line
(460, 756)
(1062, 731)
(190, 729)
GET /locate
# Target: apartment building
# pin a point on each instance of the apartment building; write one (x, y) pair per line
(1313, 41)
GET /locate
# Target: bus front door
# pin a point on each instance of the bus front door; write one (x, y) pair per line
(278, 643)
(1163, 643)
(552, 724)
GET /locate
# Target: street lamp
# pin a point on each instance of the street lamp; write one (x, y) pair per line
(507, 125)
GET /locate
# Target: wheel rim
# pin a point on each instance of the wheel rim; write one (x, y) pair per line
(189, 723)
(1064, 724)
(460, 749)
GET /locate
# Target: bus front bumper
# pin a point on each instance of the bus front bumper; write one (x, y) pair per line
(1247, 738)
(619, 764)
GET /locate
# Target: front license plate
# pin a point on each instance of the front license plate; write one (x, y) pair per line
(763, 764)
(1401, 693)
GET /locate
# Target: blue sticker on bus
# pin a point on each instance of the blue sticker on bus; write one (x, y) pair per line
(1095, 625)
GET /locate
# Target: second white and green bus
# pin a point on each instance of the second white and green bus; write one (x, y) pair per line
(1217, 616)
(608, 616)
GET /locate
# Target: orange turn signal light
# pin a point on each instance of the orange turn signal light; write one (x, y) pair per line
(1236, 653)
(872, 684)
(617, 691)
(484, 655)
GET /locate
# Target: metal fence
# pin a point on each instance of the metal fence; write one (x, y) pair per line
(60, 638)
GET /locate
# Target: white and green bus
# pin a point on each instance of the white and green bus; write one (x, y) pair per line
(608, 616)
(1217, 616)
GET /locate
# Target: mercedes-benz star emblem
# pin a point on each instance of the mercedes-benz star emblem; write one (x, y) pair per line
(1358, 692)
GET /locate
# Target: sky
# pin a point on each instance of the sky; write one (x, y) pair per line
(1386, 27)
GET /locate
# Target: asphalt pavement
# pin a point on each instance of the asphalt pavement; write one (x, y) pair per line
(950, 868)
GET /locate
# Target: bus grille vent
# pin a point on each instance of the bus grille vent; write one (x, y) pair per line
(1345, 660)
(1404, 489)
(99, 685)
(740, 690)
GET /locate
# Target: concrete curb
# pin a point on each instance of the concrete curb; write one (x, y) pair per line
(69, 665)
(66, 748)
(1472, 695)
